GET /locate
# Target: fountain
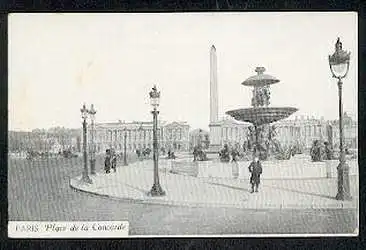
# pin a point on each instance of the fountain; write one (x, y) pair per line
(261, 114)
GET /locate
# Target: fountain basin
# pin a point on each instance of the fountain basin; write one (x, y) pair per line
(261, 115)
(299, 167)
(203, 169)
(186, 167)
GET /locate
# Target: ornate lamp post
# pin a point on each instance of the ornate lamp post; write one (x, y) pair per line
(156, 189)
(339, 66)
(92, 113)
(125, 148)
(84, 115)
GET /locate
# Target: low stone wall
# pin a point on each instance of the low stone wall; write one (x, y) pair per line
(290, 169)
(184, 167)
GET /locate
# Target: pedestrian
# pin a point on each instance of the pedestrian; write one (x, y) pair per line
(107, 161)
(234, 154)
(255, 168)
(194, 153)
(114, 162)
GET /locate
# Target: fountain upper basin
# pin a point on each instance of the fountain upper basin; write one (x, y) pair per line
(261, 115)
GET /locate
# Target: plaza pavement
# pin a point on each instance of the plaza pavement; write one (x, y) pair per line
(133, 182)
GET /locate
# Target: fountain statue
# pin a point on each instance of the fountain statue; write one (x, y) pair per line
(260, 114)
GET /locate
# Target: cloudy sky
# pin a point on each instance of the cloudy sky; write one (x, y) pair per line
(59, 61)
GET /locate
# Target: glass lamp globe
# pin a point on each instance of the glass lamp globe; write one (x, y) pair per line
(92, 111)
(154, 97)
(339, 61)
(84, 112)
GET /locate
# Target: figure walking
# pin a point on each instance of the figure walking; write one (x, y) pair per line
(255, 168)
(114, 161)
(138, 153)
(107, 161)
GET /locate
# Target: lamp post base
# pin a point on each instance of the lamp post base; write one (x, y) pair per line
(86, 179)
(343, 182)
(92, 166)
(156, 190)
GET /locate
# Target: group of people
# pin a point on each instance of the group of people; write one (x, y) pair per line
(110, 161)
(227, 154)
(171, 155)
(143, 153)
(199, 154)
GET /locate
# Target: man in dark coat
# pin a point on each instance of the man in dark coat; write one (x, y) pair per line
(195, 153)
(107, 161)
(114, 161)
(255, 168)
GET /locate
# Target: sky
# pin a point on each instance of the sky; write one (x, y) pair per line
(59, 61)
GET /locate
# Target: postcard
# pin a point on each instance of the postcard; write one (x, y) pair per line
(214, 124)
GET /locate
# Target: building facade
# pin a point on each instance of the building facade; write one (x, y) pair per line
(139, 135)
(350, 132)
(232, 132)
(199, 137)
(176, 136)
(42, 140)
(301, 131)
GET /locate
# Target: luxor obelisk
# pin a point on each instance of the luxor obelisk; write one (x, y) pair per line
(214, 104)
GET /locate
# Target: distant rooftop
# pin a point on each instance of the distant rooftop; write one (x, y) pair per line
(138, 123)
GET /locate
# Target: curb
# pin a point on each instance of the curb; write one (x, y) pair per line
(214, 205)
(154, 201)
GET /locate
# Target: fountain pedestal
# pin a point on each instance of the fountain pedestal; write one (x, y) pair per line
(215, 137)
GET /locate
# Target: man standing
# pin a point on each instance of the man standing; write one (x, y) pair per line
(114, 161)
(255, 168)
(107, 161)
(195, 153)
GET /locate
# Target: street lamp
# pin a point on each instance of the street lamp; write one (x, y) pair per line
(84, 115)
(92, 113)
(125, 148)
(339, 66)
(156, 189)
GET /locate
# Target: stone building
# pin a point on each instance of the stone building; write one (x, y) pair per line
(232, 132)
(199, 137)
(350, 132)
(139, 135)
(176, 136)
(306, 130)
(301, 131)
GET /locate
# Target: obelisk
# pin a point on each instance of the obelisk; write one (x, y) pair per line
(213, 86)
(214, 104)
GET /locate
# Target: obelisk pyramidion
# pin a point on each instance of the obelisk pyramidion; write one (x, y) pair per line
(214, 104)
